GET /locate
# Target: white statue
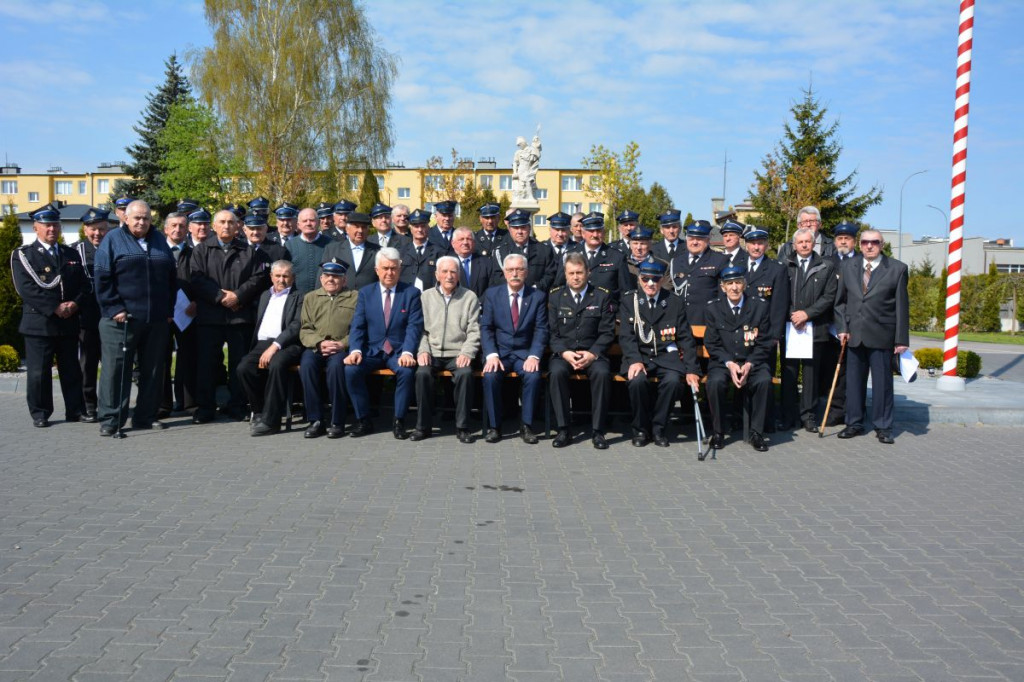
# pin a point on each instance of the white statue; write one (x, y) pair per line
(525, 164)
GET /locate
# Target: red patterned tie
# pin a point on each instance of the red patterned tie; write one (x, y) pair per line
(515, 310)
(387, 320)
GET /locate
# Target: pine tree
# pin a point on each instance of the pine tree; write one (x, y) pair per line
(146, 155)
(369, 192)
(801, 171)
(10, 302)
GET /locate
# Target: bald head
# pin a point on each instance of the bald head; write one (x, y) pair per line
(308, 223)
(137, 218)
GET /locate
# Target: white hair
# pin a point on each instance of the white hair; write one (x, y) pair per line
(447, 259)
(510, 256)
(388, 253)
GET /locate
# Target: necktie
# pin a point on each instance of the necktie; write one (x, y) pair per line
(465, 269)
(387, 319)
(693, 259)
(651, 301)
(176, 252)
(671, 251)
(558, 252)
(867, 277)
(577, 298)
(736, 310)
(591, 256)
(383, 241)
(53, 252)
(419, 250)
(753, 265)
(515, 310)
(803, 265)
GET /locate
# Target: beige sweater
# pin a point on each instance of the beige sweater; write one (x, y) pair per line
(450, 329)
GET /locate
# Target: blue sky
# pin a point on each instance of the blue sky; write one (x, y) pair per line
(689, 81)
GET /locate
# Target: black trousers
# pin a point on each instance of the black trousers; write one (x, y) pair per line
(600, 375)
(838, 409)
(652, 403)
(39, 354)
(147, 345)
(813, 369)
(878, 362)
(426, 376)
(756, 393)
(267, 389)
(89, 361)
(211, 340)
(181, 392)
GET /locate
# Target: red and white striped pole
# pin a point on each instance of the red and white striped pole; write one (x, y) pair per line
(949, 380)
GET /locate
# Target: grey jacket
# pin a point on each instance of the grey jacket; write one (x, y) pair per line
(451, 328)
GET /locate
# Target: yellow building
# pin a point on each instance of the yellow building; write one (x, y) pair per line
(29, 191)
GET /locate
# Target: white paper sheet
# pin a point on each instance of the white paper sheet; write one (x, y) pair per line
(908, 366)
(800, 342)
(180, 318)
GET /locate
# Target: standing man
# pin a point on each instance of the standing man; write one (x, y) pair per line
(53, 286)
(810, 216)
(451, 339)
(441, 234)
(731, 233)
(355, 251)
(489, 237)
(342, 209)
(400, 220)
(514, 333)
(581, 320)
(639, 247)
(326, 222)
(136, 286)
(306, 251)
(768, 279)
(560, 244)
(386, 332)
(227, 280)
(670, 243)
(846, 248)
(179, 394)
(419, 256)
(384, 234)
(695, 271)
(606, 265)
(656, 343)
(94, 227)
(627, 220)
(576, 226)
(873, 317)
(120, 207)
(286, 223)
(739, 347)
(812, 281)
(198, 227)
(264, 371)
(542, 269)
(476, 273)
(255, 226)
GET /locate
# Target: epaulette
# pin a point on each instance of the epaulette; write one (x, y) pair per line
(556, 289)
(627, 293)
(603, 289)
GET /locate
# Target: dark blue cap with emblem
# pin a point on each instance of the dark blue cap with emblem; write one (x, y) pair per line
(324, 209)
(94, 215)
(670, 217)
(200, 216)
(286, 211)
(847, 228)
(699, 228)
(187, 206)
(627, 216)
(518, 218)
(732, 272)
(445, 207)
(259, 205)
(490, 210)
(47, 214)
(379, 210)
(334, 267)
(593, 221)
(755, 233)
(559, 221)
(236, 209)
(122, 202)
(640, 233)
(255, 220)
(419, 217)
(731, 226)
(653, 267)
(344, 206)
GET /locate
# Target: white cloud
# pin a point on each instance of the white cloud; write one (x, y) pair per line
(58, 12)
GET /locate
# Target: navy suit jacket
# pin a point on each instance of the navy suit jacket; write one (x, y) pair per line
(404, 329)
(496, 332)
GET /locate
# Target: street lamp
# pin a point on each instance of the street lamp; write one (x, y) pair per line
(899, 247)
(945, 220)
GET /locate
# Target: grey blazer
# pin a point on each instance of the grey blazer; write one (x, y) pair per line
(879, 318)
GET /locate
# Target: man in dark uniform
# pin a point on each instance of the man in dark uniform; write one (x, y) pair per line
(810, 216)
(560, 244)
(441, 234)
(768, 279)
(731, 249)
(53, 285)
(259, 206)
(653, 333)
(239, 212)
(94, 227)
(419, 255)
(187, 206)
(198, 227)
(627, 220)
(846, 247)
(180, 394)
(120, 206)
(339, 217)
(325, 221)
(581, 327)
(639, 248)
(356, 252)
(542, 269)
(255, 226)
(383, 234)
(286, 223)
(476, 273)
(606, 265)
(738, 344)
(670, 244)
(489, 237)
(695, 271)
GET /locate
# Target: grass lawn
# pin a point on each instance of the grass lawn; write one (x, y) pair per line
(979, 337)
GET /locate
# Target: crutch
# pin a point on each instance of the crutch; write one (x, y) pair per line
(835, 378)
(701, 433)
(120, 389)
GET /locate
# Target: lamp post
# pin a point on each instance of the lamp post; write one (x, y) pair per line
(899, 247)
(945, 218)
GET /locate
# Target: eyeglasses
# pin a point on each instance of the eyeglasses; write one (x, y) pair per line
(870, 242)
(649, 279)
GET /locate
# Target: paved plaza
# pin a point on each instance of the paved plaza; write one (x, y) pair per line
(199, 553)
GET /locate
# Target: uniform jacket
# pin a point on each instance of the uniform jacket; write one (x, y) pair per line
(39, 300)
(496, 332)
(271, 252)
(742, 338)
(588, 326)
(660, 249)
(540, 262)
(486, 244)
(879, 318)
(741, 257)
(366, 273)
(306, 258)
(815, 292)
(608, 271)
(326, 317)
(665, 325)
(450, 328)
(128, 278)
(435, 237)
(403, 329)
(90, 310)
(567, 248)
(236, 268)
(416, 265)
(395, 240)
(700, 280)
(291, 318)
(620, 245)
(771, 282)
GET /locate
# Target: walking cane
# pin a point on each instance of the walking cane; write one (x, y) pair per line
(835, 378)
(701, 434)
(120, 390)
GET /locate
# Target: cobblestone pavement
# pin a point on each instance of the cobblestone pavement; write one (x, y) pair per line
(199, 553)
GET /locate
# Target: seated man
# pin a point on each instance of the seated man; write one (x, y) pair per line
(739, 344)
(386, 332)
(514, 333)
(451, 339)
(581, 320)
(327, 314)
(652, 333)
(263, 372)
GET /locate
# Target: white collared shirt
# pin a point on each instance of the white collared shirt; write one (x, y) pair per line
(273, 317)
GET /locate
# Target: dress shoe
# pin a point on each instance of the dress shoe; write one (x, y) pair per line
(851, 432)
(465, 436)
(640, 439)
(599, 441)
(660, 439)
(493, 436)
(87, 418)
(235, 414)
(41, 423)
(108, 430)
(835, 420)
(885, 437)
(261, 429)
(757, 442)
(562, 439)
(202, 417)
(335, 431)
(148, 426)
(163, 413)
(315, 430)
(399, 430)
(527, 434)
(362, 427)
(717, 441)
(420, 434)
(810, 426)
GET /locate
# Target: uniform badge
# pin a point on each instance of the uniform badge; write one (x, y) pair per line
(764, 291)
(749, 335)
(46, 269)
(430, 262)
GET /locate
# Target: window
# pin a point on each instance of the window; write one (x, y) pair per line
(428, 206)
(434, 182)
(380, 181)
(7, 209)
(9, 187)
(505, 182)
(540, 193)
(595, 183)
(486, 182)
(460, 182)
(404, 193)
(353, 183)
(245, 186)
(571, 207)
(103, 186)
(225, 184)
(62, 187)
(33, 197)
(570, 183)
(81, 186)
(595, 208)
(539, 220)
